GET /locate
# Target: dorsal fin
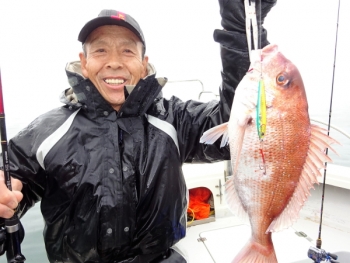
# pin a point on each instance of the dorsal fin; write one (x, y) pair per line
(314, 161)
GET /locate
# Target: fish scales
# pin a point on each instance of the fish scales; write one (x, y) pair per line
(271, 176)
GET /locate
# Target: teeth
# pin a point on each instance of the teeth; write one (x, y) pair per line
(114, 81)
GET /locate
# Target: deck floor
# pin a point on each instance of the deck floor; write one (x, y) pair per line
(221, 241)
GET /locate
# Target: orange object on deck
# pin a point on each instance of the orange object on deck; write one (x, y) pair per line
(198, 205)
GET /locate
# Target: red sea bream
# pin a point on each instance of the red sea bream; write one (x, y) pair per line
(273, 173)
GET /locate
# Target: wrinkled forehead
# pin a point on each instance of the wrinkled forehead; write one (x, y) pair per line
(111, 42)
(112, 34)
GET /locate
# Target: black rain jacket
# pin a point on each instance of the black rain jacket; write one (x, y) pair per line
(110, 183)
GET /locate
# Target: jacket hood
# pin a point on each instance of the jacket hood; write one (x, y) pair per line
(83, 93)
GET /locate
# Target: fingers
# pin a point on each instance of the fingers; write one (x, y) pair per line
(5, 212)
(9, 199)
(16, 184)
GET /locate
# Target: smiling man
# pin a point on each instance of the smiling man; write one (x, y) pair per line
(113, 58)
(106, 166)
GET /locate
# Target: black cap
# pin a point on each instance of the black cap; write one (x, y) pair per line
(111, 17)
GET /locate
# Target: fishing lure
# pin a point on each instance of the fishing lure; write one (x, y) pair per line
(261, 120)
(261, 110)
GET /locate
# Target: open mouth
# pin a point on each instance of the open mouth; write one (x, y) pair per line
(114, 81)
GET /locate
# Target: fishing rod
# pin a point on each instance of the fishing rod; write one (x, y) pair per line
(317, 254)
(12, 225)
(319, 240)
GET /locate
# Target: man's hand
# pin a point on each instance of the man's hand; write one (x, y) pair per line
(233, 13)
(9, 199)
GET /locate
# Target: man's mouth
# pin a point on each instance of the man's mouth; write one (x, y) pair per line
(114, 81)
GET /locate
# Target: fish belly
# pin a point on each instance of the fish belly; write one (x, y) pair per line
(268, 172)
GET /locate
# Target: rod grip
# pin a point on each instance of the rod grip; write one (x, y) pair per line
(13, 240)
(2, 240)
(13, 252)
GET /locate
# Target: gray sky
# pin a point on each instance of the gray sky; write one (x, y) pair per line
(39, 37)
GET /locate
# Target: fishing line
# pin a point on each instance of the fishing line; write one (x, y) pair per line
(261, 102)
(258, 11)
(319, 241)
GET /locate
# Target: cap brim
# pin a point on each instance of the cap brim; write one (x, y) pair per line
(103, 21)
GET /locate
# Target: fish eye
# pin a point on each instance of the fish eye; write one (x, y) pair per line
(281, 79)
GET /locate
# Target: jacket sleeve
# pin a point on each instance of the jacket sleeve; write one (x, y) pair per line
(24, 164)
(24, 155)
(25, 167)
(203, 116)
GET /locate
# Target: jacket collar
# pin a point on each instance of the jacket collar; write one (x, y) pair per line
(83, 94)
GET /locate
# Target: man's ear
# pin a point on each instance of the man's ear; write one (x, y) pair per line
(145, 66)
(83, 64)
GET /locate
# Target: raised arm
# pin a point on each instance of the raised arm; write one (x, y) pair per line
(234, 46)
(235, 62)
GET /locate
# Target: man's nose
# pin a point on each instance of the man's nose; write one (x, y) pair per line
(114, 61)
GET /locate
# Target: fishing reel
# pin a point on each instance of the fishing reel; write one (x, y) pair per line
(318, 255)
(11, 236)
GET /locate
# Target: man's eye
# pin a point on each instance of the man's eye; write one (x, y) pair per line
(100, 50)
(128, 51)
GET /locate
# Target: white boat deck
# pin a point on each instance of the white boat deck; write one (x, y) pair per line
(221, 239)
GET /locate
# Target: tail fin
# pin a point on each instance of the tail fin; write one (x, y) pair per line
(254, 252)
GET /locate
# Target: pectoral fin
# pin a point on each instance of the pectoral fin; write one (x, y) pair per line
(211, 135)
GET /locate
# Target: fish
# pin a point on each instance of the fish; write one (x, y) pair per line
(276, 152)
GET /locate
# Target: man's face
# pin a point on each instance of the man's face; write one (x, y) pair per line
(113, 59)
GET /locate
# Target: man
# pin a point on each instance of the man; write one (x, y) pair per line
(107, 165)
